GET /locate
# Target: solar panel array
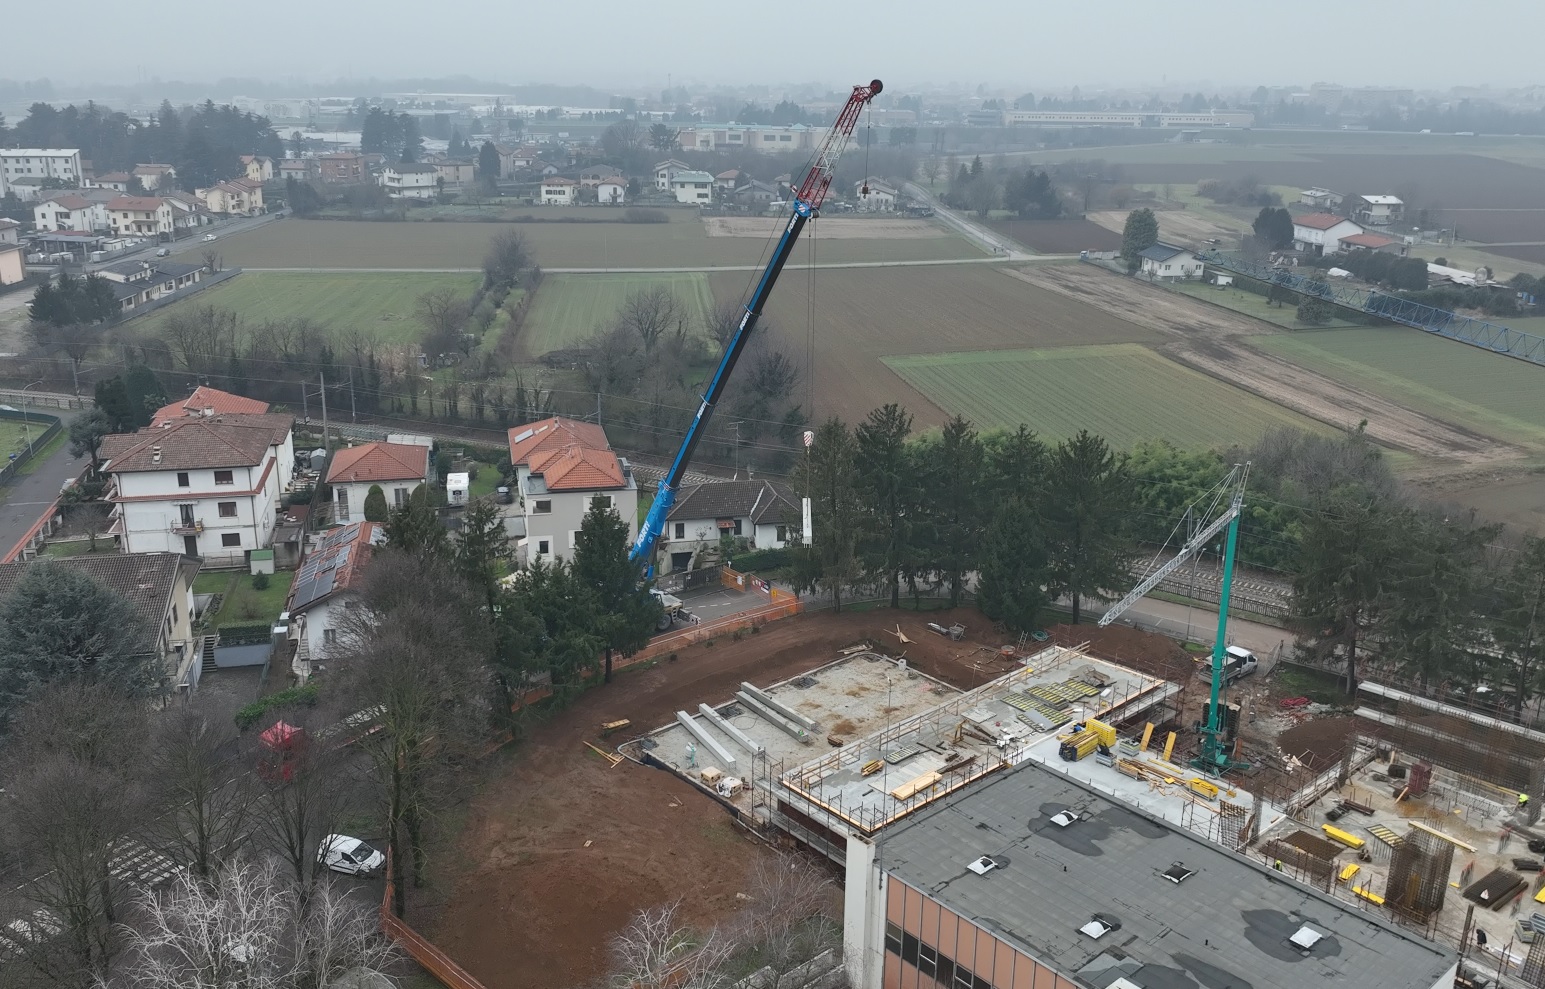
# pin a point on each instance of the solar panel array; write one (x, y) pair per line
(318, 575)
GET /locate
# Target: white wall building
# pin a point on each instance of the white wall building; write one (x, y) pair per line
(205, 486)
(561, 466)
(1321, 233)
(611, 192)
(410, 181)
(41, 163)
(757, 514)
(880, 197)
(323, 590)
(761, 138)
(666, 170)
(140, 216)
(692, 187)
(1168, 263)
(69, 212)
(397, 467)
(1380, 211)
(556, 191)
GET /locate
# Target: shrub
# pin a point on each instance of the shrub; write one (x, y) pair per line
(260, 582)
(249, 715)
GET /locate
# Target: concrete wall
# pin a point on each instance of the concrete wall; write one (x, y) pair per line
(227, 657)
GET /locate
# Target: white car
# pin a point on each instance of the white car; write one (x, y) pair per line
(210, 237)
(349, 856)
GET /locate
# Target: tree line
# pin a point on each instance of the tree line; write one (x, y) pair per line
(395, 135)
(1028, 193)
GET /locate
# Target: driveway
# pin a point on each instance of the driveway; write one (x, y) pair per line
(709, 603)
(23, 501)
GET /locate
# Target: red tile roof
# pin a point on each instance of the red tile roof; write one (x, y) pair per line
(551, 434)
(114, 177)
(147, 204)
(333, 565)
(205, 398)
(379, 462)
(1370, 241)
(194, 443)
(578, 468)
(69, 202)
(1319, 221)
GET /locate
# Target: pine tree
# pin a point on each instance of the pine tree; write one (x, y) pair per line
(1014, 571)
(626, 611)
(375, 504)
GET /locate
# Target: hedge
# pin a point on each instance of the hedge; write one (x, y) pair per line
(249, 715)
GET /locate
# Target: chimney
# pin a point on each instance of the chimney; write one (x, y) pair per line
(155, 454)
(209, 411)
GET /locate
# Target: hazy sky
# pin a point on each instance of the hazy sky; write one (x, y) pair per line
(1026, 44)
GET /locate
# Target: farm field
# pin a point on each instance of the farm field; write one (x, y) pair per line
(1067, 236)
(1251, 304)
(568, 309)
(1123, 392)
(1491, 394)
(377, 303)
(864, 315)
(359, 244)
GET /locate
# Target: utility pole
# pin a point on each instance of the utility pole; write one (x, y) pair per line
(352, 416)
(326, 440)
(305, 403)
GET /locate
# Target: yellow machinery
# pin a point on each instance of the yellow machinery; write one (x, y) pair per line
(1348, 872)
(1077, 745)
(1202, 788)
(1342, 837)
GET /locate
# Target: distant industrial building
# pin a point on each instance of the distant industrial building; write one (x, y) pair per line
(1117, 118)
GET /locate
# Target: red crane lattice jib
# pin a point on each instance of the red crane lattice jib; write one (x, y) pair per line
(812, 191)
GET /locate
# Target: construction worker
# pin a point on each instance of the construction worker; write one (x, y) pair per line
(1277, 864)
(1523, 801)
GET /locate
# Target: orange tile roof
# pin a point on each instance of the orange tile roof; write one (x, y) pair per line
(206, 398)
(1319, 221)
(1373, 241)
(379, 462)
(578, 468)
(552, 434)
(144, 204)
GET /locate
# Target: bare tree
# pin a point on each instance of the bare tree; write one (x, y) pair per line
(724, 319)
(201, 337)
(253, 930)
(200, 779)
(614, 362)
(212, 259)
(74, 340)
(444, 313)
(784, 922)
(658, 951)
(772, 374)
(651, 313)
(930, 168)
(303, 794)
(508, 256)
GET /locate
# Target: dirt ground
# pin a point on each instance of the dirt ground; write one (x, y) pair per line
(1214, 341)
(1175, 225)
(829, 228)
(533, 906)
(1059, 236)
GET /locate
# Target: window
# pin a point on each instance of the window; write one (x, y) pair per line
(342, 504)
(681, 530)
(542, 508)
(399, 496)
(227, 509)
(573, 538)
(783, 533)
(605, 501)
(543, 547)
(329, 635)
(737, 527)
(174, 612)
(225, 477)
(182, 479)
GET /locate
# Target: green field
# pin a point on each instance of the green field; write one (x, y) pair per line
(1251, 305)
(13, 435)
(1494, 395)
(243, 603)
(1123, 392)
(429, 246)
(377, 303)
(571, 308)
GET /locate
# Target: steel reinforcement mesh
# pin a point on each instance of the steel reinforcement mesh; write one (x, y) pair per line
(1418, 875)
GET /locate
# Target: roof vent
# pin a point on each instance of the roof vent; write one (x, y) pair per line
(1064, 818)
(1177, 873)
(1305, 939)
(1100, 925)
(982, 866)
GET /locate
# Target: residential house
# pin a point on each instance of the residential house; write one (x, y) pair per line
(666, 170)
(118, 181)
(761, 138)
(1379, 211)
(325, 588)
(299, 169)
(41, 163)
(238, 197)
(456, 173)
(154, 176)
(408, 180)
(1321, 233)
(10, 231)
(544, 168)
(756, 193)
(69, 212)
(342, 166)
(611, 192)
(204, 486)
(136, 283)
(397, 467)
(259, 168)
(140, 216)
(874, 196)
(558, 191)
(1168, 263)
(729, 181)
(208, 402)
(159, 589)
(28, 188)
(561, 467)
(188, 210)
(692, 187)
(1323, 200)
(762, 514)
(13, 268)
(1372, 242)
(590, 178)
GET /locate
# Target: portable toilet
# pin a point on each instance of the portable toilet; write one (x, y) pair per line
(456, 488)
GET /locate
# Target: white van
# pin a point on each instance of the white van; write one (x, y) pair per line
(1238, 663)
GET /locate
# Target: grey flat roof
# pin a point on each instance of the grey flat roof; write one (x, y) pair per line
(1226, 926)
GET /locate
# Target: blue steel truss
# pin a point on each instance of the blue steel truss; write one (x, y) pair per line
(1466, 329)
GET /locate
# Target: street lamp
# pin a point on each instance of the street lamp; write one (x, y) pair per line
(25, 429)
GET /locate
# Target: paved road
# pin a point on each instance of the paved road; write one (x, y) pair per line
(22, 502)
(1015, 258)
(1002, 247)
(1202, 622)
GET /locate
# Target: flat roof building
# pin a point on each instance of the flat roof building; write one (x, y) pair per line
(1033, 879)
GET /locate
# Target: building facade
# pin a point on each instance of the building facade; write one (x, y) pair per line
(140, 216)
(1168, 263)
(760, 138)
(323, 590)
(69, 212)
(407, 180)
(41, 163)
(1321, 233)
(695, 188)
(754, 514)
(398, 468)
(561, 467)
(557, 192)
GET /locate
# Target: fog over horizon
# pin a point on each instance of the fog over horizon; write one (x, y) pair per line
(1421, 44)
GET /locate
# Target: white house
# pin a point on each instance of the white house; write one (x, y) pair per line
(1321, 199)
(134, 283)
(666, 170)
(763, 514)
(10, 231)
(325, 588)
(874, 195)
(611, 192)
(41, 163)
(397, 467)
(139, 216)
(561, 467)
(204, 486)
(153, 176)
(117, 181)
(260, 169)
(69, 212)
(692, 187)
(406, 180)
(557, 191)
(1168, 263)
(1379, 211)
(1321, 233)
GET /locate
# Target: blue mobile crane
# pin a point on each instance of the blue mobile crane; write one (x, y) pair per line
(805, 206)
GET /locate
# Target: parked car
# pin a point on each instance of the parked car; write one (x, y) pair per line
(210, 237)
(162, 252)
(503, 495)
(349, 856)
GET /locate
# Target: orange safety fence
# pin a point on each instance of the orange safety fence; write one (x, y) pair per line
(434, 961)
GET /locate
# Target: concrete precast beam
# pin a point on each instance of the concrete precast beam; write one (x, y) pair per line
(789, 728)
(736, 735)
(709, 742)
(783, 709)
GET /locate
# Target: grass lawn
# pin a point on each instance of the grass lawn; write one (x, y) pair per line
(570, 308)
(377, 303)
(488, 478)
(13, 436)
(81, 547)
(1124, 392)
(1494, 395)
(243, 603)
(1250, 304)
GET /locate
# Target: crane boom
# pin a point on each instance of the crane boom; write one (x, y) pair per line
(807, 202)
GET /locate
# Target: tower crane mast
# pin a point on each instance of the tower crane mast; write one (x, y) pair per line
(806, 205)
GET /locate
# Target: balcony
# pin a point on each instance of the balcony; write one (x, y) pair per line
(188, 527)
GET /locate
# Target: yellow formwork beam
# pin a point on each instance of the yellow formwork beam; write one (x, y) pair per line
(1169, 746)
(1147, 737)
(1344, 837)
(1348, 872)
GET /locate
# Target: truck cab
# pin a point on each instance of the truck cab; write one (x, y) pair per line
(1238, 662)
